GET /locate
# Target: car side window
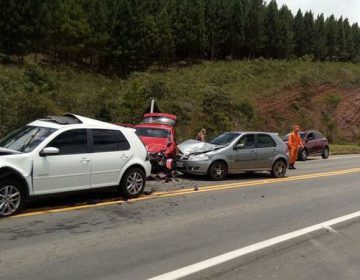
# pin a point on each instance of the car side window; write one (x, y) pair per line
(71, 142)
(265, 141)
(124, 145)
(109, 141)
(248, 141)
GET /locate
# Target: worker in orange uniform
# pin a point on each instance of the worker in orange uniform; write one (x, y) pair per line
(294, 144)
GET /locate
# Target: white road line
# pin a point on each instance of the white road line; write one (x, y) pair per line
(206, 264)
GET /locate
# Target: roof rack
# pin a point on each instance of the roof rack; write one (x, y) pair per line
(64, 119)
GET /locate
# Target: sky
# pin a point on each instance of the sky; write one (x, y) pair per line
(347, 8)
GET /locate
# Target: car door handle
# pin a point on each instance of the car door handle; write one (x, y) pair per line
(85, 160)
(253, 152)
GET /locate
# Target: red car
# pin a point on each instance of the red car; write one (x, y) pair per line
(314, 144)
(157, 132)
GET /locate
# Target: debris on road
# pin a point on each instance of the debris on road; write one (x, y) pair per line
(149, 192)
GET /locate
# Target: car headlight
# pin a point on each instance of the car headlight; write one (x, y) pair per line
(198, 157)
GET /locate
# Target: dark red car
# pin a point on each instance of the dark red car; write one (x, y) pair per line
(314, 143)
(157, 132)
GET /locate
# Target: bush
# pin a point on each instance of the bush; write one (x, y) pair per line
(218, 111)
(215, 100)
(333, 101)
(247, 109)
(35, 79)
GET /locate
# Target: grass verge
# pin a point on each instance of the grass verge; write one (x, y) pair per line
(337, 149)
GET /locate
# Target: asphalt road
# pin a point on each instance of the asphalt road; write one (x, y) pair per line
(157, 234)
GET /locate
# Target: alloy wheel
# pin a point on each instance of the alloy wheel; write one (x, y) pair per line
(134, 182)
(279, 169)
(10, 199)
(325, 154)
(218, 170)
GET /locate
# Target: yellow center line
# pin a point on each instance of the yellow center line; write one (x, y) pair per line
(194, 191)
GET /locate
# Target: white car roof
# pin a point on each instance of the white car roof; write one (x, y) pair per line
(79, 121)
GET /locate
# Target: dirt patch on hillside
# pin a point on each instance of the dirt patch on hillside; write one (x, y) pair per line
(330, 109)
(348, 115)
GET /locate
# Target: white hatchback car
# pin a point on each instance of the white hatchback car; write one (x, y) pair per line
(69, 153)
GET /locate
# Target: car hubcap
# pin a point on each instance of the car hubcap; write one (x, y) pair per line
(280, 169)
(9, 200)
(218, 170)
(326, 153)
(134, 182)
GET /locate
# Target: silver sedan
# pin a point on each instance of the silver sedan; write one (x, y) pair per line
(234, 152)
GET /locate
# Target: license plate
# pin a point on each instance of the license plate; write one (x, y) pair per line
(179, 164)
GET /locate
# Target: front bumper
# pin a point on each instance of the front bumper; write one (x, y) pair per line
(193, 167)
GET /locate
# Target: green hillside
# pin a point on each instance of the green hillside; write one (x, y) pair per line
(258, 94)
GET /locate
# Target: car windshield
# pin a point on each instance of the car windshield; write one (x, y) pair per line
(224, 139)
(286, 137)
(26, 139)
(153, 132)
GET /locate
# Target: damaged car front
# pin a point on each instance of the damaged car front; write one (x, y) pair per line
(195, 157)
(160, 143)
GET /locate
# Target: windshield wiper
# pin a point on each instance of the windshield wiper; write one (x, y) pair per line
(29, 140)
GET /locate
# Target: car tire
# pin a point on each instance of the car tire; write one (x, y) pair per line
(278, 169)
(218, 171)
(12, 197)
(133, 182)
(325, 154)
(304, 155)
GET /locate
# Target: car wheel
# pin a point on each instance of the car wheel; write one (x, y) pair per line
(325, 154)
(218, 171)
(304, 155)
(133, 183)
(11, 197)
(279, 169)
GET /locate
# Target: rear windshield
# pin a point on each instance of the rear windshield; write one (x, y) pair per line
(153, 132)
(224, 139)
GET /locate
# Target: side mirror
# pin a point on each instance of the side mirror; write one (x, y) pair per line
(239, 146)
(49, 151)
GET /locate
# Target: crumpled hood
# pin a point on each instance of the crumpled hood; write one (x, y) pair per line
(154, 144)
(6, 152)
(196, 147)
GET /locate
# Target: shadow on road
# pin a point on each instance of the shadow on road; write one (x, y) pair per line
(110, 194)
